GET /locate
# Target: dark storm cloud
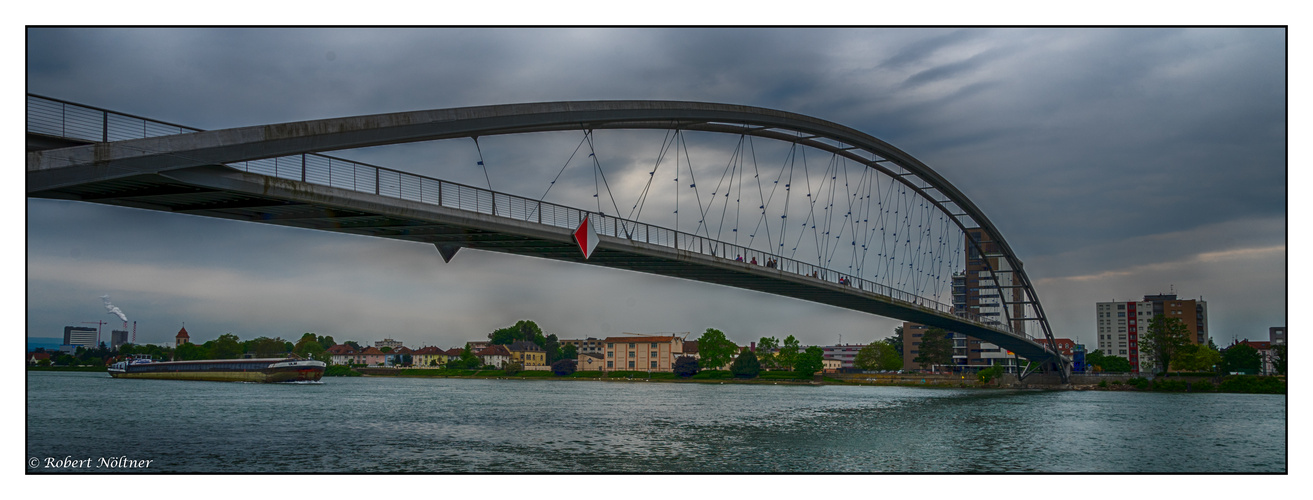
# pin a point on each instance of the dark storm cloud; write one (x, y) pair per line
(1094, 151)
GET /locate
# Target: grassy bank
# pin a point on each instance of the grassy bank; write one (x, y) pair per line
(706, 376)
(1240, 384)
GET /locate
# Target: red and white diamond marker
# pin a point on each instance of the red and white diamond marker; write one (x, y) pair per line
(586, 237)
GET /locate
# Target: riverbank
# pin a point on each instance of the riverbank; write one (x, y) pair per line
(66, 369)
(1230, 384)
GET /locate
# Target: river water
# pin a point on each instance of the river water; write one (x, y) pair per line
(366, 424)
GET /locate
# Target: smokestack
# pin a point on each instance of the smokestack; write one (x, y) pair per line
(114, 310)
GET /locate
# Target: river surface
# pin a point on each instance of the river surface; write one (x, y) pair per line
(366, 424)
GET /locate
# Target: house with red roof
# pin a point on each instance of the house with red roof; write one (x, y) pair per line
(372, 356)
(527, 353)
(401, 356)
(495, 355)
(343, 354)
(429, 357)
(34, 357)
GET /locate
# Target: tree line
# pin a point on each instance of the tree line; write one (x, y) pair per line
(1165, 345)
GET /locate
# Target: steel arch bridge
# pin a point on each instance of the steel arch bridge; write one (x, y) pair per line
(275, 174)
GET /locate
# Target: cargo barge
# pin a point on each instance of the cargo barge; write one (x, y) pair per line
(223, 370)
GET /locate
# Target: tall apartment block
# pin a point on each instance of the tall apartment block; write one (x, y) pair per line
(974, 295)
(1120, 324)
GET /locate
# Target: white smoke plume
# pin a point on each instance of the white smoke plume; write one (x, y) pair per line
(113, 309)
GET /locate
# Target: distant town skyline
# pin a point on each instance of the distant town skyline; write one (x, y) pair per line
(1107, 157)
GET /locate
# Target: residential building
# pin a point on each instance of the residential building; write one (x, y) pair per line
(429, 357)
(81, 336)
(1066, 346)
(1120, 325)
(590, 361)
(34, 357)
(691, 349)
(844, 354)
(975, 296)
(1268, 365)
(495, 355)
(831, 365)
(371, 356)
(394, 344)
(343, 354)
(586, 345)
(454, 353)
(643, 353)
(1276, 335)
(182, 337)
(974, 292)
(397, 357)
(968, 352)
(527, 353)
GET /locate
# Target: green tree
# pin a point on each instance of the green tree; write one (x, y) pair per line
(521, 330)
(385, 349)
(936, 349)
(878, 356)
(746, 365)
(227, 346)
(1241, 358)
(686, 366)
(569, 352)
(1279, 358)
(466, 361)
(715, 349)
(1163, 340)
(552, 346)
(1197, 358)
(765, 352)
(190, 352)
(1115, 364)
(310, 347)
(265, 347)
(788, 353)
(326, 341)
(354, 345)
(897, 340)
(810, 361)
(512, 368)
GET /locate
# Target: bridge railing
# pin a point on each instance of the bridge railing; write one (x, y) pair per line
(59, 118)
(76, 121)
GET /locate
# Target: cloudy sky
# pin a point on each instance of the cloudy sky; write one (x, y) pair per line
(1117, 163)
